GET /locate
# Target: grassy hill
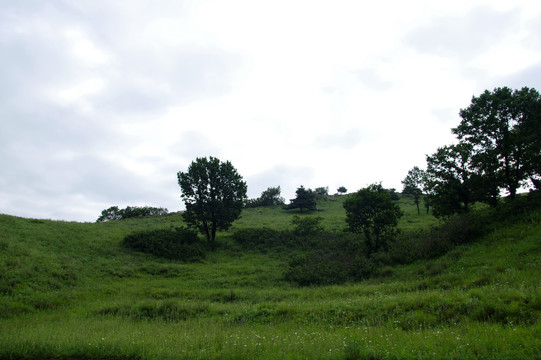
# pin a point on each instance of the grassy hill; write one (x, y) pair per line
(71, 290)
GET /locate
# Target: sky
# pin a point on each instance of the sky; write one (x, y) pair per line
(102, 103)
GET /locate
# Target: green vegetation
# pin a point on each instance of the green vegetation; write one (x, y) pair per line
(214, 195)
(114, 213)
(277, 284)
(74, 290)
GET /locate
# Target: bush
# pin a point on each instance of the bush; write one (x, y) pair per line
(177, 244)
(307, 225)
(114, 213)
(335, 259)
(263, 238)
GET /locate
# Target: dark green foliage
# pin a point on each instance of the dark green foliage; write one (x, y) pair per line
(114, 213)
(263, 238)
(269, 197)
(342, 190)
(335, 258)
(168, 311)
(394, 194)
(322, 191)
(178, 244)
(450, 181)
(423, 244)
(306, 199)
(307, 225)
(214, 195)
(371, 212)
(502, 128)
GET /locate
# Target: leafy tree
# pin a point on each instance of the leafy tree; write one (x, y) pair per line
(342, 190)
(502, 128)
(271, 197)
(371, 212)
(322, 191)
(413, 183)
(114, 213)
(213, 193)
(306, 199)
(451, 181)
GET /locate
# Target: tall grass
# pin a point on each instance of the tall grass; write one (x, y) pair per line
(70, 290)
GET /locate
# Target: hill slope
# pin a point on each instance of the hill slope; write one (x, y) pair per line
(71, 290)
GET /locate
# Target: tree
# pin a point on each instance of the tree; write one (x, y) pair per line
(271, 197)
(342, 190)
(371, 212)
(413, 183)
(114, 213)
(306, 199)
(322, 191)
(213, 193)
(502, 128)
(451, 181)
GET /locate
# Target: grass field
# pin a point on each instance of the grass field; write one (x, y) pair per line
(71, 290)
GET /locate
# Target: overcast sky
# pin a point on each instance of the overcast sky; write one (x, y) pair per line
(103, 102)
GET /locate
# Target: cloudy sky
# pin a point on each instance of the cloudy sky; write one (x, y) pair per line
(103, 102)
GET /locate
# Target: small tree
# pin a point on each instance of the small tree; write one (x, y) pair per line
(322, 191)
(306, 199)
(271, 197)
(342, 190)
(213, 193)
(413, 184)
(371, 212)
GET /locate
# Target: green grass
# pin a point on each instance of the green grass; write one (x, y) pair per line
(71, 290)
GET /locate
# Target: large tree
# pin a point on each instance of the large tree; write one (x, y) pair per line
(213, 193)
(503, 129)
(371, 212)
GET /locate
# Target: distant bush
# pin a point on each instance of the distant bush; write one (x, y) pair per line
(178, 244)
(337, 258)
(307, 225)
(424, 244)
(269, 197)
(263, 238)
(114, 213)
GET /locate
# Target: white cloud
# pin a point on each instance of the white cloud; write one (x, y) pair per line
(103, 102)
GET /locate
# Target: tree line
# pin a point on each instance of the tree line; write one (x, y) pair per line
(498, 150)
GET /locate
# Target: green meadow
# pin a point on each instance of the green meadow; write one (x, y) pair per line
(71, 290)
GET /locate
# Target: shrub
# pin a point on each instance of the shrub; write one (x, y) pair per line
(335, 259)
(262, 238)
(307, 225)
(178, 244)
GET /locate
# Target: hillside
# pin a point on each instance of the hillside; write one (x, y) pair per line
(71, 290)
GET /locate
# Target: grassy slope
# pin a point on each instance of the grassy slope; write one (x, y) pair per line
(69, 289)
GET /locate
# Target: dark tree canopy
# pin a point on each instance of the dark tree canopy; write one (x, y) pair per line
(450, 180)
(114, 213)
(504, 132)
(322, 191)
(371, 212)
(342, 190)
(306, 199)
(213, 193)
